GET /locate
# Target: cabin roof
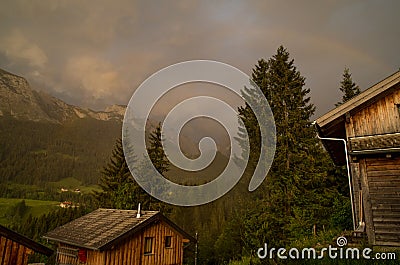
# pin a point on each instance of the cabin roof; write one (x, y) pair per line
(23, 240)
(103, 228)
(332, 124)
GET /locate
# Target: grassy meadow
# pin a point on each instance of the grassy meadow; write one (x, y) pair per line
(34, 207)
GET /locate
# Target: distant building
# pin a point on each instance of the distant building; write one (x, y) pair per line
(369, 125)
(66, 204)
(110, 236)
(15, 248)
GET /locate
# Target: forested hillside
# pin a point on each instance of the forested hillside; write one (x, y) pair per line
(38, 152)
(44, 139)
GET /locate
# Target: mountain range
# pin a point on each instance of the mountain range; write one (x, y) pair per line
(20, 101)
(43, 139)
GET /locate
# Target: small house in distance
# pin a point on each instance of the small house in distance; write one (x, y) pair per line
(15, 248)
(369, 125)
(110, 236)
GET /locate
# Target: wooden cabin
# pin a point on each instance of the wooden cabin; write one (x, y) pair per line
(370, 125)
(110, 236)
(15, 248)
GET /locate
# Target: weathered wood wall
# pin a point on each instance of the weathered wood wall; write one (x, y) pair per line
(383, 180)
(376, 181)
(67, 254)
(162, 255)
(13, 253)
(379, 118)
(128, 251)
(131, 251)
(356, 184)
(96, 257)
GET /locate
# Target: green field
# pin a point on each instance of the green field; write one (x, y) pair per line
(35, 207)
(72, 184)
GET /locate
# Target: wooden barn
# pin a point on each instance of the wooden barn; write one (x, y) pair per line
(109, 236)
(369, 126)
(15, 248)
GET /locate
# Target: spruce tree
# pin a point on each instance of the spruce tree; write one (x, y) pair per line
(347, 87)
(160, 161)
(119, 189)
(156, 151)
(116, 172)
(292, 166)
(296, 194)
(116, 182)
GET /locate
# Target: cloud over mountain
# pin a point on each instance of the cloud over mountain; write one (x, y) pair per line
(94, 55)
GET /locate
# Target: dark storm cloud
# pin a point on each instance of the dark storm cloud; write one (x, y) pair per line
(94, 53)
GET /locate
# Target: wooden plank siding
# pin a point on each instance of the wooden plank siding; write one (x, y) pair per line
(366, 202)
(384, 187)
(131, 250)
(380, 187)
(96, 257)
(162, 255)
(67, 254)
(382, 117)
(356, 184)
(13, 253)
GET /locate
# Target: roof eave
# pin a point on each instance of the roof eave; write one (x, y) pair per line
(178, 229)
(69, 242)
(360, 99)
(27, 242)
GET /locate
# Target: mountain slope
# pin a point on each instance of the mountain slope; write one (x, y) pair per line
(19, 100)
(45, 139)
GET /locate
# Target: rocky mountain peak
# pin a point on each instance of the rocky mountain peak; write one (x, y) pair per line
(19, 100)
(117, 109)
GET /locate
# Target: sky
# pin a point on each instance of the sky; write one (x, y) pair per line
(96, 53)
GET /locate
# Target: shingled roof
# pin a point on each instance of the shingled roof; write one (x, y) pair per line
(103, 228)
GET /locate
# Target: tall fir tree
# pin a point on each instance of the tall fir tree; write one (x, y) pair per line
(160, 161)
(119, 189)
(347, 87)
(297, 193)
(156, 151)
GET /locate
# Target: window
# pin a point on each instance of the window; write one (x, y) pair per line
(148, 245)
(168, 241)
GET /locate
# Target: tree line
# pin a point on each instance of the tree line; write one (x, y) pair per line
(35, 153)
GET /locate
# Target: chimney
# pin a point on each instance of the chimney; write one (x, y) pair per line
(138, 211)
